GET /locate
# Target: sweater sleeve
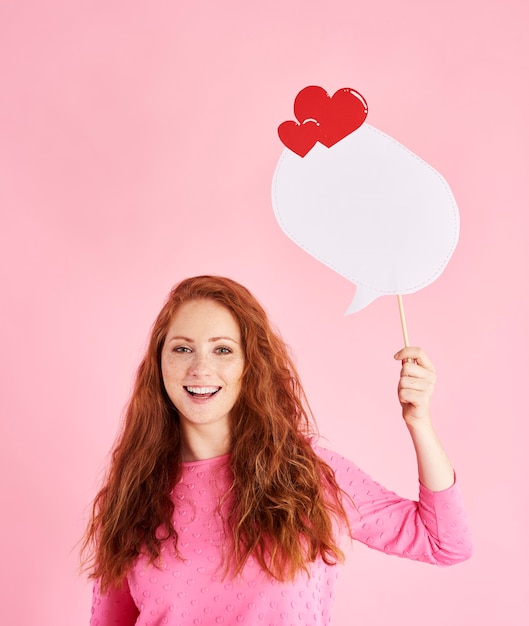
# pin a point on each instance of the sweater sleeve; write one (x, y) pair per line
(115, 607)
(433, 529)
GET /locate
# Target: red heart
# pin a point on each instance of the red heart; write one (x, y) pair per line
(346, 111)
(311, 103)
(300, 138)
(333, 118)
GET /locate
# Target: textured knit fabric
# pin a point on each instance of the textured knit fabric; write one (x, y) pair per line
(191, 590)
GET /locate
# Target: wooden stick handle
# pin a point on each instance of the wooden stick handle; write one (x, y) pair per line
(403, 321)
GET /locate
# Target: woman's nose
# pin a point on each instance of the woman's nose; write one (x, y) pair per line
(199, 365)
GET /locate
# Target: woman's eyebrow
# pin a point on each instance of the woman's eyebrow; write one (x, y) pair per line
(212, 339)
(223, 339)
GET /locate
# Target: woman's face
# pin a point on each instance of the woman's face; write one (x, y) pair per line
(202, 365)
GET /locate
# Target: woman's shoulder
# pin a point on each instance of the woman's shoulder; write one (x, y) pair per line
(335, 460)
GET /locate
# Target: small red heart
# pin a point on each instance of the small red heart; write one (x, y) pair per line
(328, 120)
(300, 138)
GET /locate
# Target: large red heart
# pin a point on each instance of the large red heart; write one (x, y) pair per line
(333, 118)
(346, 111)
(300, 138)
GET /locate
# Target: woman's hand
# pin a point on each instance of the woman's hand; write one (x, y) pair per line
(416, 385)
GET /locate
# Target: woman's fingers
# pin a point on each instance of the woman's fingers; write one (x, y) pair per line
(413, 371)
(416, 382)
(418, 355)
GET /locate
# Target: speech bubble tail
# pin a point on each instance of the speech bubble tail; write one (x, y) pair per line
(363, 296)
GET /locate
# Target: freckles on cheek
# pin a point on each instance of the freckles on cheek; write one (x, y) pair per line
(166, 371)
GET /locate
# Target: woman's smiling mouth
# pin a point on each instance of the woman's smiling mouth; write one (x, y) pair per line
(202, 392)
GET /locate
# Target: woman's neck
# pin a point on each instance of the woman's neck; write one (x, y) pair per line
(201, 444)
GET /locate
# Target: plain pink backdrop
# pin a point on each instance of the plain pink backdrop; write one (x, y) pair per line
(137, 146)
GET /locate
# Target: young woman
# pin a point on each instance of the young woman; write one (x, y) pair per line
(219, 507)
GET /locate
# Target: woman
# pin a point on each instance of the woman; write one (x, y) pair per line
(219, 507)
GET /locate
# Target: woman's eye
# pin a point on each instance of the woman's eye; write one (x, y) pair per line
(181, 349)
(223, 350)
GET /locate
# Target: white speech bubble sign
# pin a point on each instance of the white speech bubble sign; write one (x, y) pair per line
(371, 210)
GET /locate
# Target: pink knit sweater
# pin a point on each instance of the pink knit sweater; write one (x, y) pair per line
(191, 591)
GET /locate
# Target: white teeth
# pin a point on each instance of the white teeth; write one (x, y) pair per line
(202, 390)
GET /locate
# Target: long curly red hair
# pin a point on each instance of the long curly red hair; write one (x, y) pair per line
(284, 500)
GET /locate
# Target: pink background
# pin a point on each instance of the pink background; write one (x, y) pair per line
(138, 142)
